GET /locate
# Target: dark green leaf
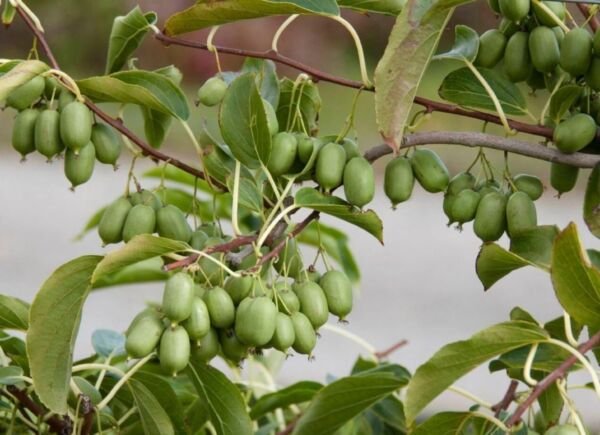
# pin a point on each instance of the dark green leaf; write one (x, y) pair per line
(466, 45)
(14, 313)
(92, 223)
(446, 423)
(388, 7)
(299, 392)
(547, 358)
(154, 417)
(304, 100)
(591, 204)
(594, 257)
(20, 74)
(249, 193)
(266, 78)
(149, 270)
(518, 313)
(551, 404)
(535, 245)
(562, 101)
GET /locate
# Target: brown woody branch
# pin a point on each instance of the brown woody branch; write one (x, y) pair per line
(57, 424)
(390, 350)
(508, 398)
(586, 12)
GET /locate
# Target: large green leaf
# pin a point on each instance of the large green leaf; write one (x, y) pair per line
(547, 358)
(466, 45)
(388, 7)
(126, 35)
(412, 42)
(446, 423)
(54, 322)
(266, 78)
(149, 270)
(226, 406)
(20, 74)
(243, 122)
(591, 204)
(463, 88)
(14, 313)
(299, 106)
(153, 416)
(207, 13)
(144, 88)
(344, 399)
(576, 282)
(562, 100)
(334, 206)
(455, 360)
(299, 392)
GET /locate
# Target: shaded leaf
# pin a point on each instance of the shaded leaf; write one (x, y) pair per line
(466, 45)
(149, 270)
(20, 74)
(154, 418)
(306, 99)
(299, 392)
(266, 78)
(11, 375)
(388, 7)
(446, 423)
(591, 203)
(562, 101)
(14, 313)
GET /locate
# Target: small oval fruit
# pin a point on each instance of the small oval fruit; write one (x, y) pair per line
(514, 10)
(530, 184)
(490, 219)
(288, 301)
(140, 220)
(351, 148)
(220, 307)
(197, 324)
(313, 303)
(575, 133)
(284, 335)
(338, 291)
(255, 321)
(113, 220)
(488, 186)
(146, 197)
(23, 134)
(557, 8)
(178, 297)
(76, 125)
(239, 288)
(64, 99)
(210, 272)
(430, 170)
(107, 143)
(359, 182)
(563, 429)
(464, 207)
(460, 182)
(306, 147)
(330, 166)
(592, 77)
(233, 349)
(174, 352)
(517, 62)
(305, 337)
(212, 91)
(597, 43)
(207, 348)
(563, 177)
(289, 262)
(171, 223)
(447, 207)
(491, 48)
(576, 51)
(272, 122)
(198, 240)
(399, 180)
(493, 4)
(144, 334)
(508, 28)
(543, 49)
(283, 154)
(28, 93)
(52, 88)
(520, 214)
(47, 134)
(79, 167)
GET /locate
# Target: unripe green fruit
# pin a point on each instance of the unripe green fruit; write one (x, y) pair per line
(283, 154)
(338, 292)
(26, 94)
(220, 307)
(563, 429)
(309, 275)
(488, 187)
(351, 148)
(144, 334)
(146, 197)
(491, 48)
(107, 144)
(255, 321)
(575, 133)
(239, 288)
(211, 272)
(284, 335)
(517, 62)
(465, 205)
(47, 134)
(543, 49)
(447, 205)
(140, 220)
(530, 184)
(493, 4)
(171, 223)
(536, 80)
(23, 134)
(288, 301)
(359, 182)
(80, 167)
(399, 180)
(597, 43)
(576, 52)
(233, 349)
(592, 77)
(558, 8)
(86, 389)
(330, 166)
(305, 337)
(198, 240)
(520, 214)
(514, 10)
(560, 35)
(272, 122)
(178, 297)
(306, 146)
(289, 262)
(563, 177)
(76, 125)
(64, 99)
(430, 170)
(174, 352)
(490, 219)
(460, 182)
(112, 222)
(198, 324)
(212, 91)
(313, 303)
(207, 348)
(508, 28)
(52, 88)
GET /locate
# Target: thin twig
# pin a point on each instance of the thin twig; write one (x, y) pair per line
(508, 398)
(593, 20)
(88, 415)
(390, 350)
(57, 424)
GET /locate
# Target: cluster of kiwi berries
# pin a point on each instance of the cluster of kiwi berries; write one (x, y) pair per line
(50, 120)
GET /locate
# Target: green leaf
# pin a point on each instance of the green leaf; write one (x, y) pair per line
(344, 399)
(306, 99)
(334, 206)
(266, 78)
(172, 173)
(144, 88)
(19, 75)
(92, 223)
(551, 404)
(535, 245)
(250, 193)
(412, 42)
(54, 322)
(466, 45)
(591, 203)
(11, 375)
(594, 257)
(150, 270)
(446, 423)
(155, 419)
(206, 13)
(463, 88)
(388, 7)
(576, 282)
(139, 248)
(547, 358)
(107, 342)
(227, 407)
(126, 35)
(299, 392)
(14, 313)
(562, 101)
(455, 360)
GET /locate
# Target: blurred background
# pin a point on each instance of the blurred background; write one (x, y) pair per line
(421, 286)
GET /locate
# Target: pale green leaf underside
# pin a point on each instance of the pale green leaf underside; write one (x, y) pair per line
(19, 75)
